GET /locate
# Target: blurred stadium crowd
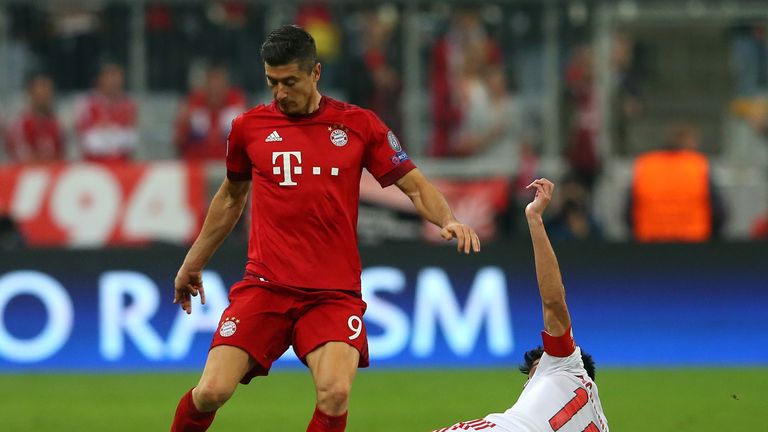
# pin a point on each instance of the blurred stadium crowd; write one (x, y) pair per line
(580, 91)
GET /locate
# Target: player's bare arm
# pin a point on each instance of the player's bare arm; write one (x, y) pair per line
(225, 210)
(432, 206)
(556, 316)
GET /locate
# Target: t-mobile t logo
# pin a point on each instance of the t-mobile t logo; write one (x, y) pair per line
(286, 170)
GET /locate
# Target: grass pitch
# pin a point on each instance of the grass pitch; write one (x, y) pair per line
(659, 400)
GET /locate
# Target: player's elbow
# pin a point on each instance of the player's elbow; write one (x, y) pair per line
(235, 204)
(413, 194)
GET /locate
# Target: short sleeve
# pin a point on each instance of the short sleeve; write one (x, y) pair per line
(385, 158)
(238, 163)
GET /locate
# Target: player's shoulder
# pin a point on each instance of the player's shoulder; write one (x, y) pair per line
(256, 114)
(571, 365)
(349, 109)
(258, 111)
(339, 105)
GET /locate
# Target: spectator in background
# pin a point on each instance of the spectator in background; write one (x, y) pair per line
(36, 136)
(628, 75)
(673, 197)
(166, 53)
(749, 59)
(574, 219)
(448, 69)
(106, 119)
(204, 120)
(760, 228)
(316, 17)
(494, 125)
(581, 99)
(73, 36)
(11, 237)
(373, 80)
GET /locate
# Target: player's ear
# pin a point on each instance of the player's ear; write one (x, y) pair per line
(316, 72)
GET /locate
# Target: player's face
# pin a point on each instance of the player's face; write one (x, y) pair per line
(293, 87)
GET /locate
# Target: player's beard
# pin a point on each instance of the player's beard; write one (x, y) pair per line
(285, 106)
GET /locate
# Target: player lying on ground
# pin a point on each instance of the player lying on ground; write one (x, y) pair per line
(560, 394)
(302, 155)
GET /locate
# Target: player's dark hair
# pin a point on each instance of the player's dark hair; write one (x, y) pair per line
(290, 44)
(532, 355)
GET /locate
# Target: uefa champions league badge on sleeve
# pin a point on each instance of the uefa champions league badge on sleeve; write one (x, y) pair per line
(400, 155)
(339, 136)
(228, 327)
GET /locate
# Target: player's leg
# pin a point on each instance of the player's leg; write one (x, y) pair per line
(224, 368)
(255, 326)
(333, 367)
(330, 338)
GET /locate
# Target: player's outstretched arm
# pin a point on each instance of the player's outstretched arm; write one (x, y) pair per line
(225, 209)
(556, 316)
(432, 206)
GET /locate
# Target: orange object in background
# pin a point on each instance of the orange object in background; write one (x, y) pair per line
(671, 197)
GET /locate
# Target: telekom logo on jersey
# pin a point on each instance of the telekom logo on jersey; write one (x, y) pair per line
(282, 164)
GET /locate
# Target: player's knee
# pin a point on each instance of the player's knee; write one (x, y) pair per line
(333, 397)
(210, 395)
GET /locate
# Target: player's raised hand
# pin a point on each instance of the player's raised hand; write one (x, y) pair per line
(466, 236)
(544, 189)
(187, 285)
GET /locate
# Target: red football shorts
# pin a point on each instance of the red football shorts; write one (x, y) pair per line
(264, 319)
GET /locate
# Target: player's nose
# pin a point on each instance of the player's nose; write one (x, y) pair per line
(280, 93)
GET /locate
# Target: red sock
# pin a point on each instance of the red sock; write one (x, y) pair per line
(322, 422)
(188, 418)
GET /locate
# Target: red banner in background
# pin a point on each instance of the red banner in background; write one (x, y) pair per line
(97, 205)
(94, 205)
(475, 202)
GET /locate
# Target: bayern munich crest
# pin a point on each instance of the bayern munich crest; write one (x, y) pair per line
(339, 136)
(228, 327)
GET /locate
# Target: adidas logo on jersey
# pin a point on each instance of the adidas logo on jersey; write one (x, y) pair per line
(274, 136)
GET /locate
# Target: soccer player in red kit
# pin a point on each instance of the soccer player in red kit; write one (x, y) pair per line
(303, 156)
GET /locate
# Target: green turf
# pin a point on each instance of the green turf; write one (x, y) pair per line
(634, 400)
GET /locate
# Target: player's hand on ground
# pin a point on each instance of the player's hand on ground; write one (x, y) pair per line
(544, 189)
(466, 236)
(187, 285)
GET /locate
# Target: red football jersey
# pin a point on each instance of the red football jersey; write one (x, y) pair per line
(201, 130)
(34, 137)
(107, 128)
(305, 173)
